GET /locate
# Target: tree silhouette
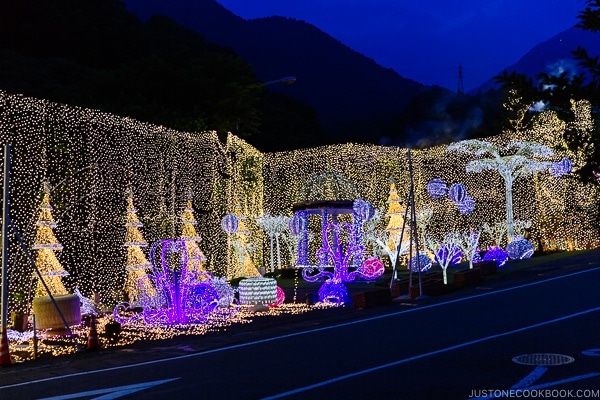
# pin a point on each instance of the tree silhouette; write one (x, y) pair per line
(557, 91)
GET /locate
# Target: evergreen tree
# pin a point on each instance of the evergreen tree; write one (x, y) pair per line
(137, 282)
(46, 244)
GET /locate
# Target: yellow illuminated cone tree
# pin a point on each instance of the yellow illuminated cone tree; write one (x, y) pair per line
(243, 247)
(395, 213)
(46, 244)
(137, 281)
(196, 258)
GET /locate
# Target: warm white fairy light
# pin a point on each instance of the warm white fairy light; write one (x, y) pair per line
(137, 282)
(45, 245)
(90, 158)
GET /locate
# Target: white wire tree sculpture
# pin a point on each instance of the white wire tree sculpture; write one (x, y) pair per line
(274, 227)
(495, 231)
(443, 251)
(468, 242)
(524, 161)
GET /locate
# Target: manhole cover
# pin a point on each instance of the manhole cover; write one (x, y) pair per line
(543, 359)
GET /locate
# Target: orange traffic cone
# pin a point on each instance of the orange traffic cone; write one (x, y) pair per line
(93, 341)
(4, 350)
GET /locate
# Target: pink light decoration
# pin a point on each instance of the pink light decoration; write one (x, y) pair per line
(280, 298)
(372, 268)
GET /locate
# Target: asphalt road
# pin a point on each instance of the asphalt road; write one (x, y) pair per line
(450, 348)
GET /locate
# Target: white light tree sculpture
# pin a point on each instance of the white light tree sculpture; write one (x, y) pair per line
(443, 250)
(274, 226)
(468, 243)
(523, 162)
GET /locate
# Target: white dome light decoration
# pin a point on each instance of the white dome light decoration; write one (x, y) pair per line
(519, 249)
(437, 188)
(563, 167)
(467, 206)
(457, 193)
(258, 291)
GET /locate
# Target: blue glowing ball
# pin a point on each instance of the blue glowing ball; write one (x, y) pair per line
(437, 188)
(497, 254)
(297, 224)
(519, 249)
(333, 292)
(201, 298)
(467, 206)
(563, 167)
(229, 223)
(424, 263)
(443, 254)
(457, 193)
(363, 209)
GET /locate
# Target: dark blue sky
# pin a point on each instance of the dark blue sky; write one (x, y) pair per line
(427, 40)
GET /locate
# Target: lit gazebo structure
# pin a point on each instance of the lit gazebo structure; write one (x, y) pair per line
(328, 196)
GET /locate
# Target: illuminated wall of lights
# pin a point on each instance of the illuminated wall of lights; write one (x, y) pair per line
(564, 212)
(91, 159)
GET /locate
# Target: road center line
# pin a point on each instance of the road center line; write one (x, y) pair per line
(428, 354)
(272, 339)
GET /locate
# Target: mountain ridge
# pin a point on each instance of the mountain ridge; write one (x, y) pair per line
(339, 82)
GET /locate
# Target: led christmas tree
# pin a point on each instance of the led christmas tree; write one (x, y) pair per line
(137, 282)
(196, 258)
(242, 248)
(395, 213)
(46, 244)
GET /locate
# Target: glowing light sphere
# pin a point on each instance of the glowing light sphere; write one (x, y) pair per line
(497, 254)
(443, 254)
(519, 249)
(372, 268)
(297, 224)
(363, 209)
(224, 290)
(258, 291)
(563, 167)
(201, 298)
(280, 298)
(437, 188)
(457, 193)
(424, 263)
(333, 292)
(230, 223)
(466, 206)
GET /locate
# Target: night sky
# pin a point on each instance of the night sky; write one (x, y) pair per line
(427, 40)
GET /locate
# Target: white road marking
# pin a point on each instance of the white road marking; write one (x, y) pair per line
(111, 393)
(306, 332)
(428, 354)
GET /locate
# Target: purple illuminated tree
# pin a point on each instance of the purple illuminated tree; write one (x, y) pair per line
(523, 162)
